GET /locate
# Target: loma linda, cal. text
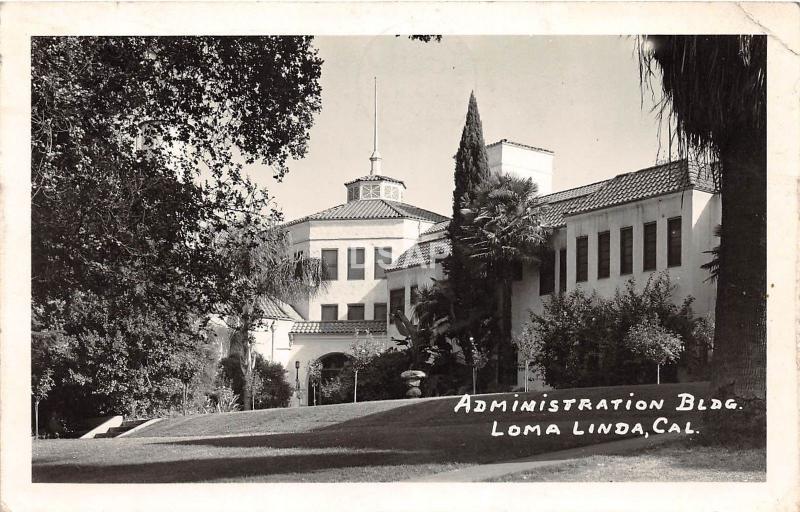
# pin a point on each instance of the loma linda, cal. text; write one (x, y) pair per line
(660, 425)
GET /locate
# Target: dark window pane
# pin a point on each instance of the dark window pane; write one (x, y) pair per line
(298, 265)
(380, 311)
(603, 254)
(674, 242)
(383, 257)
(355, 263)
(626, 250)
(649, 253)
(397, 299)
(414, 295)
(582, 259)
(330, 312)
(547, 273)
(330, 263)
(355, 311)
(562, 270)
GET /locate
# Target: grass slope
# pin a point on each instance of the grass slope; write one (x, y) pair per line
(416, 413)
(677, 462)
(372, 441)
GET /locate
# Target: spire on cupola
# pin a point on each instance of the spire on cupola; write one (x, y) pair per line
(375, 159)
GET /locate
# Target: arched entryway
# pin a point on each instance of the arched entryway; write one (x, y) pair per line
(332, 364)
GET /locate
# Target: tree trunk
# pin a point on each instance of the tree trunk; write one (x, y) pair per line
(36, 418)
(355, 388)
(739, 359)
(506, 356)
(247, 366)
(658, 374)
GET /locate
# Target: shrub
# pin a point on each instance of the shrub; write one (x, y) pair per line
(270, 385)
(274, 389)
(583, 337)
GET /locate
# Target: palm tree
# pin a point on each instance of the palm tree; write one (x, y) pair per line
(262, 271)
(714, 93)
(504, 233)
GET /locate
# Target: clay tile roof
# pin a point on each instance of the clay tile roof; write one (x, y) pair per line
(373, 209)
(519, 144)
(339, 327)
(439, 226)
(376, 177)
(276, 311)
(422, 253)
(651, 182)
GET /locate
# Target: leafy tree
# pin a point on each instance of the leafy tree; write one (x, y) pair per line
(714, 90)
(363, 350)
(314, 372)
(654, 343)
(137, 151)
(504, 232)
(263, 271)
(528, 347)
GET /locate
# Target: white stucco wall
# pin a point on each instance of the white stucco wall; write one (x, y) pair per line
(314, 236)
(521, 161)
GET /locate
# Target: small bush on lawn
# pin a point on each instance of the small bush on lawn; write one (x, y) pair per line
(271, 387)
(582, 338)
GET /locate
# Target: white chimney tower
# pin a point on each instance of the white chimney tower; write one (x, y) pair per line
(521, 160)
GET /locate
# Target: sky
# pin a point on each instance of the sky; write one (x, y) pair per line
(577, 96)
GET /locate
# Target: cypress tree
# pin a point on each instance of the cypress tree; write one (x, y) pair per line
(472, 293)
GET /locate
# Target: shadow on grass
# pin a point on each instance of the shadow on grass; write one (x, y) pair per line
(197, 470)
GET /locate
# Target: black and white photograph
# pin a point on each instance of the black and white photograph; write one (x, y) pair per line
(413, 258)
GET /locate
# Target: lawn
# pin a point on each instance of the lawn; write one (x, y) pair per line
(373, 441)
(676, 462)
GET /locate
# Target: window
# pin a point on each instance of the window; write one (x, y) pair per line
(414, 295)
(298, 264)
(370, 192)
(562, 270)
(352, 193)
(330, 264)
(397, 299)
(603, 254)
(581, 259)
(392, 192)
(380, 311)
(626, 251)
(674, 242)
(649, 253)
(383, 258)
(330, 312)
(547, 273)
(355, 263)
(355, 311)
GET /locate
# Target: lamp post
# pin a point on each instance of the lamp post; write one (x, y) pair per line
(272, 344)
(474, 371)
(297, 381)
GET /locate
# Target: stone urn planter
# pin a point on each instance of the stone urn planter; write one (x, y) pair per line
(413, 378)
